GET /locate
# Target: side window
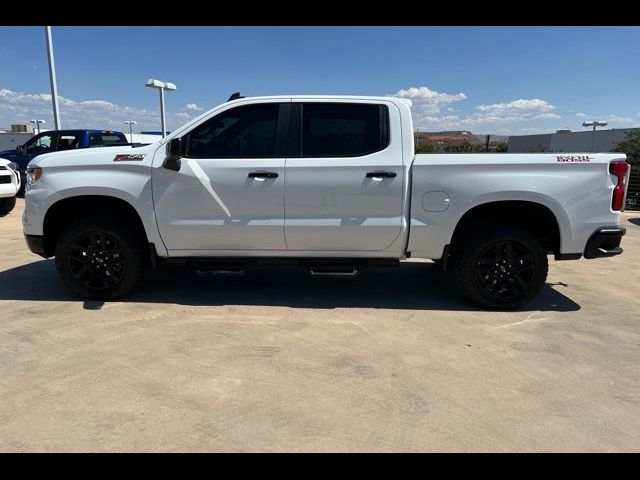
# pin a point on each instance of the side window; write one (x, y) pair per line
(242, 132)
(95, 140)
(68, 141)
(343, 129)
(40, 145)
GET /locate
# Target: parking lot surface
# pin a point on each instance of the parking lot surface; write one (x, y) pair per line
(394, 360)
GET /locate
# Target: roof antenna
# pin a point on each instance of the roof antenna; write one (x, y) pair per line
(235, 96)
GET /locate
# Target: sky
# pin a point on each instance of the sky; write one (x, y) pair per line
(499, 80)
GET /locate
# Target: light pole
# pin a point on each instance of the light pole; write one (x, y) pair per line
(162, 86)
(131, 123)
(52, 78)
(594, 124)
(37, 123)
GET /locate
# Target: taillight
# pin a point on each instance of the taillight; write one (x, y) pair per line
(619, 168)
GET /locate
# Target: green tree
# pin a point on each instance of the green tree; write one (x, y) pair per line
(426, 148)
(502, 147)
(464, 147)
(631, 147)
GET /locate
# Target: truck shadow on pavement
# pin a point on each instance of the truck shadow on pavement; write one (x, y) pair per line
(635, 221)
(413, 286)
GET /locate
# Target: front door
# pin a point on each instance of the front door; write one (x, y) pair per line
(42, 143)
(229, 192)
(344, 177)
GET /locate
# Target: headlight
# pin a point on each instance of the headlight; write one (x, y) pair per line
(14, 166)
(33, 175)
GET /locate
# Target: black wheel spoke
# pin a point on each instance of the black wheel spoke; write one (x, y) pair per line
(522, 268)
(508, 246)
(79, 272)
(504, 270)
(521, 284)
(97, 260)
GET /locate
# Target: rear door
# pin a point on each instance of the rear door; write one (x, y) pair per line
(344, 176)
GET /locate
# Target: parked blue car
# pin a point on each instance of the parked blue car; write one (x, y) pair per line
(56, 140)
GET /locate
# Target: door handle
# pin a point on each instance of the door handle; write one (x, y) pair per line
(381, 174)
(263, 175)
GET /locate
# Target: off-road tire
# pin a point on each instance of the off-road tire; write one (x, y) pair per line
(515, 281)
(7, 204)
(119, 242)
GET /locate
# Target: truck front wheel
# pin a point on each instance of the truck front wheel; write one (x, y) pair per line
(501, 268)
(99, 260)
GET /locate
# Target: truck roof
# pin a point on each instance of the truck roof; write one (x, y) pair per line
(321, 97)
(90, 130)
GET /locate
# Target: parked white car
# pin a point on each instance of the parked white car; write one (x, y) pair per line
(9, 185)
(331, 183)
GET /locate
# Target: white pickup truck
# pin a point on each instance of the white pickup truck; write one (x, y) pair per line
(331, 183)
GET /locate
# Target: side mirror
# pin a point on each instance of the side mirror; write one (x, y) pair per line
(20, 149)
(174, 154)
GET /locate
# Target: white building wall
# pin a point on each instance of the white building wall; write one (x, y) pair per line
(10, 140)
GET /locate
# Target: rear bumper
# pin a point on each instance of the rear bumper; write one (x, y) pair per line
(36, 244)
(605, 242)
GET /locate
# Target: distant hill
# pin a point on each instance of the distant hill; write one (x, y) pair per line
(456, 137)
(447, 138)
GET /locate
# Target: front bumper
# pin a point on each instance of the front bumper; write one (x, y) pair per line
(36, 244)
(10, 184)
(605, 242)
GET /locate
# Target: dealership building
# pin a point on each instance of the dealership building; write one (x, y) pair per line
(568, 141)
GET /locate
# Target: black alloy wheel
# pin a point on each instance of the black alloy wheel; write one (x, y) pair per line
(101, 259)
(97, 260)
(505, 270)
(501, 267)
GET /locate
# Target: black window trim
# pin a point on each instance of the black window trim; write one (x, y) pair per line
(53, 147)
(281, 136)
(295, 145)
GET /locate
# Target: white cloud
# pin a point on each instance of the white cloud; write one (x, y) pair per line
(429, 101)
(20, 107)
(498, 117)
(519, 107)
(615, 121)
(548, 116)
(194, 106)
(618, 119)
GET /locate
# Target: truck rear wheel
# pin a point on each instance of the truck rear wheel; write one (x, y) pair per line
(501, 268)
(99, 260)
(7, 204)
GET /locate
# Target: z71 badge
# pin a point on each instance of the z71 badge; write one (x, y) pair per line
(573, 158)
(129, 157)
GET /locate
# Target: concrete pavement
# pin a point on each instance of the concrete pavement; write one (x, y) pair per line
(276, 361)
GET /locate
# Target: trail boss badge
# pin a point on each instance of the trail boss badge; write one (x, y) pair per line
(573, 158)
(129, 157)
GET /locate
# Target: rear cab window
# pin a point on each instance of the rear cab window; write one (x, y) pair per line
(69, 140)
(106, 138)
(343, 129)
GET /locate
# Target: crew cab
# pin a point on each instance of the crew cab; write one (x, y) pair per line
(59, 140)
(331, 183)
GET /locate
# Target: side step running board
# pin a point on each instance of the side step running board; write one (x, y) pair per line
(219, 273)
(220, 269)
(334, 271)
